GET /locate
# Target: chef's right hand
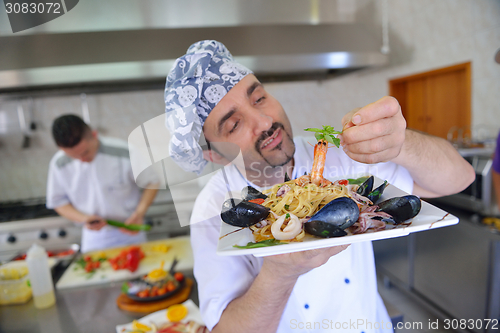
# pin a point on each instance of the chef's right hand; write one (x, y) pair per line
(94, 222)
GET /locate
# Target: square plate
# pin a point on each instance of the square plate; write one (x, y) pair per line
(430, 217)
(160, 317)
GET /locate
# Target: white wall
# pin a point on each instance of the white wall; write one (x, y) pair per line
(424, 35)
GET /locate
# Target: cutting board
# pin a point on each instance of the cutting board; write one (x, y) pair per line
(130, 305)
(179, 247)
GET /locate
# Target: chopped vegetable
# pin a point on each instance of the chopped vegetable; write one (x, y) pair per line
(257, 201)
(177, 312)
(179, 276)
(140, 326)
(161, 248)
(344, 182)
(127, 259)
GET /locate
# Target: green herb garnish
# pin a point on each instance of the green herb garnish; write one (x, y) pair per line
(287, 207)
(264, 243)
(357, 181)
(326, 133)
(287, 216)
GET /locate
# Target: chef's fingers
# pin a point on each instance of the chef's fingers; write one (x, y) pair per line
(385, 107)
(347, 119)
(377, 145)
(381, 127)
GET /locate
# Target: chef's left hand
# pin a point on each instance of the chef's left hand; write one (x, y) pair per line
(374, 133)
(135, 218)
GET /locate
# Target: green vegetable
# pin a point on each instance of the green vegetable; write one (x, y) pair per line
(357, 181)
(133, 227)
(287, 207)
(326, 133)
(264, 243)
(81, 262)
(125, 287)
(287, 216)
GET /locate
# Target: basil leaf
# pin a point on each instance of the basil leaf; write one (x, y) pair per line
(357, 181)
(314, 130)
(319, 136)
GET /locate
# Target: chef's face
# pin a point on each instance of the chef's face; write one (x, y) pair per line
(255, 121)
(85, 150)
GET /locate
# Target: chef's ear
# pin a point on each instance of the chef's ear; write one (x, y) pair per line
(94, 134)
(214, 157)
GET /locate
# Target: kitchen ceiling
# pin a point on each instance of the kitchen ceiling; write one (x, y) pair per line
(124, 40)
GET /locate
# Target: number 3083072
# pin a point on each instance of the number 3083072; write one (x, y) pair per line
(455, 324)
(25, 8)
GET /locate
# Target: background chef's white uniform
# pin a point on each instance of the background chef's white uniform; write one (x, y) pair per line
(334, 296)
(104, 187)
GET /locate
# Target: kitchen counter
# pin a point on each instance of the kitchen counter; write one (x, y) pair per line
(441, 268)
(78, 310)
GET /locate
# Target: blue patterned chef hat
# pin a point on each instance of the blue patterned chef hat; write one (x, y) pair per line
(195, 84)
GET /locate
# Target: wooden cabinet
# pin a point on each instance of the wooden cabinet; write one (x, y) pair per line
(434, 102)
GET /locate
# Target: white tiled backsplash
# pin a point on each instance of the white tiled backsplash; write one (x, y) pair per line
(424, 35)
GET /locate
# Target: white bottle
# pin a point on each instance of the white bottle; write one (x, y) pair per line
(40, 277)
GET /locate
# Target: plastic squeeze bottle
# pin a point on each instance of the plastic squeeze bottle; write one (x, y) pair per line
(40, 277)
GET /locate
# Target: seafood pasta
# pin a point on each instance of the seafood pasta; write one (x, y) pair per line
(314, 205)
(296, 200)
(303, 200)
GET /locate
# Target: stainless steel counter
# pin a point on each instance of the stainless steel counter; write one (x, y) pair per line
(453, 271)
(79, 310)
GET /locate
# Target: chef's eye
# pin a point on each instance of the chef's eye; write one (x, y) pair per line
(260, 99)
(234, 127)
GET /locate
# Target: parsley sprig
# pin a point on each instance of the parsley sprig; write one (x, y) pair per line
(326, 133)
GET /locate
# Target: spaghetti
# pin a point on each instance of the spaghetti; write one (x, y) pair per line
(300, 200)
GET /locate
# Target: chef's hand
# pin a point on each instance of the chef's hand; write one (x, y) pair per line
(374, 133)
(94, 222)
(135, 218)
(292, 265)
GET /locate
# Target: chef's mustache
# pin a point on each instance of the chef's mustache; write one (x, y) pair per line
(266, 134)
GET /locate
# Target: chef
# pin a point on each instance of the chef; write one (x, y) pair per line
(90, 181)
(329, 289)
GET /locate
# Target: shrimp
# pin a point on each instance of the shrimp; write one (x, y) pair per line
(316, 175)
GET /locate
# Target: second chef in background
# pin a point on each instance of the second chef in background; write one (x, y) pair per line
(91, 180)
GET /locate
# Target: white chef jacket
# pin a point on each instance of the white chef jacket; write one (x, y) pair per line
(341, 295)
(103, 187)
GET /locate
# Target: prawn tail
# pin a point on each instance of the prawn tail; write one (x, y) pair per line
(318, 167)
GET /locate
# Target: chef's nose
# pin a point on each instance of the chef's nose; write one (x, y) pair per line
(262, 122)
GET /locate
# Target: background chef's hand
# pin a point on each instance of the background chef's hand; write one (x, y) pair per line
(292, 265)
(374, 133)
(94, 222)
(135, 218)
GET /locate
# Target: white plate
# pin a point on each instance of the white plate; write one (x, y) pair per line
(430, 217)
(160, 317)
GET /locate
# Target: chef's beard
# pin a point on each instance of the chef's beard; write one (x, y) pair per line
(265, 135)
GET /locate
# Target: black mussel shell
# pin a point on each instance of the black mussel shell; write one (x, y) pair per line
(375, 195)
(287, 179)
(401, 208)
(365, 188)
(323, 229)
(242, 213)
(250, 193)
(341, 212)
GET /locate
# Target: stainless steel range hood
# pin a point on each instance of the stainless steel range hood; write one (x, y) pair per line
(62, 56)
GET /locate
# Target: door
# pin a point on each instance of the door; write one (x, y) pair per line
(436, 102)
